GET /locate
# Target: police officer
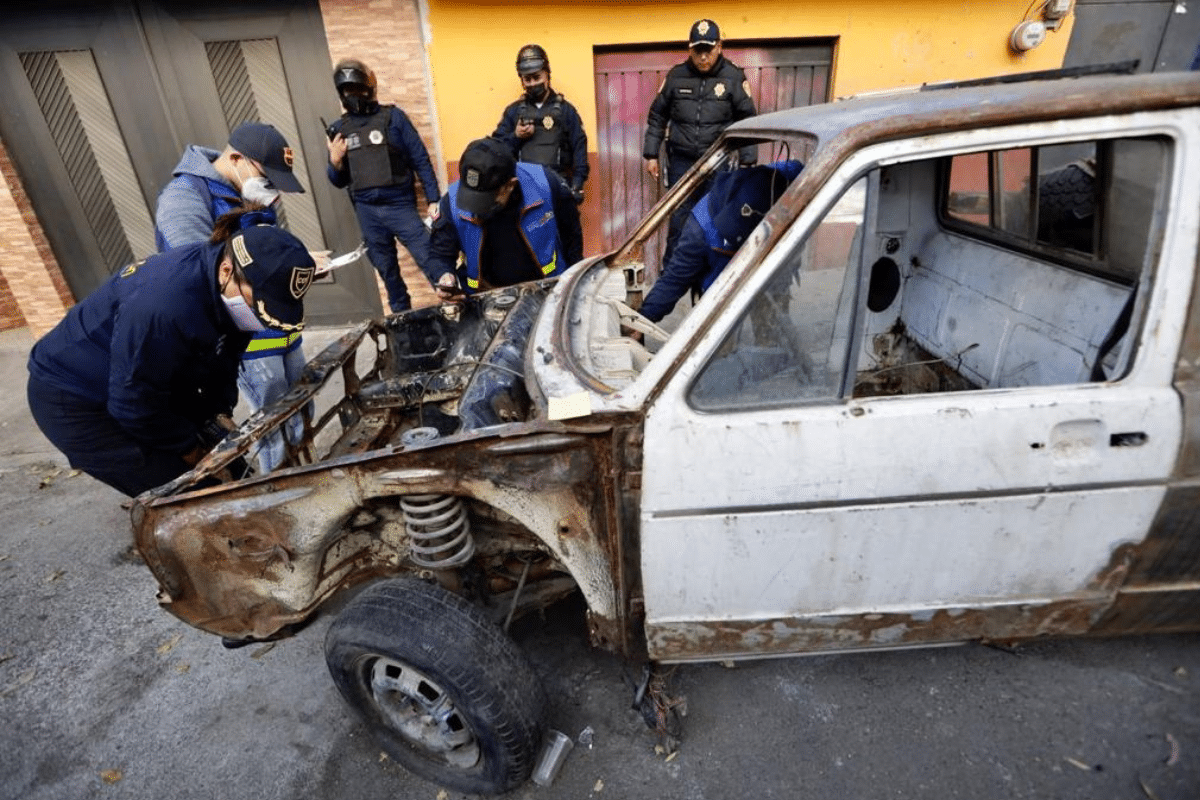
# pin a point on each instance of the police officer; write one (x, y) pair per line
(254, 167)
(375, 150)
(716, 227)
(251, 171)
(699, 98)
(512, 223)
(542, 127)
(137, 382)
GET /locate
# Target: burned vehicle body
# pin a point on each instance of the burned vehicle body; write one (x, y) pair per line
(945, 391)
(249, 564)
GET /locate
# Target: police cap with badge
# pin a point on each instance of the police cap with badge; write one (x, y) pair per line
(280, 269)
(740, 199)
(485, 166)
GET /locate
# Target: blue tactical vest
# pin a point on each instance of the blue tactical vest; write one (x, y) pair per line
(215, 194)
(718, 253)
(539, 229)
(721, 251)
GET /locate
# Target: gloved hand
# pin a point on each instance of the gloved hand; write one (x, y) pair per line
(213, 430)
(447, 287)
(321, 260)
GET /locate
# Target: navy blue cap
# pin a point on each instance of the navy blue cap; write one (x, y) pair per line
(704, 32)
(741, 198)
(262, 143)
(280, 270)
(485, 166)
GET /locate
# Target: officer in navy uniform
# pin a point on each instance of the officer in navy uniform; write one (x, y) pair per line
(542, 127)
(698, 99)
(137, 382)
(375, 150)
(251, 172)
(716, 227)
(512, 223)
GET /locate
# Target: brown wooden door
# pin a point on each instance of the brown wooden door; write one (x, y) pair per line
(781, 74)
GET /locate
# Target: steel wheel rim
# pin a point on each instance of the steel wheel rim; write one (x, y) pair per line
(422, 713)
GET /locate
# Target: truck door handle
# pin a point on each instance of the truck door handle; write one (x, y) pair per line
(1131, 439)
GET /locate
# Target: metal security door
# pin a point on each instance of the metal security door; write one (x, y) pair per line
(781, 74)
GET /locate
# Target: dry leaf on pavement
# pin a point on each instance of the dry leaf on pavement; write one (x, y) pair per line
(167, 647)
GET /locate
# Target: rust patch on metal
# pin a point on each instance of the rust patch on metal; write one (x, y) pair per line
(682, 641)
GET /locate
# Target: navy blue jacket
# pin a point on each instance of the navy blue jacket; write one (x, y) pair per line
(504, 250)
(572, 160)
(153, 344)
(704, 249)
(404, 137)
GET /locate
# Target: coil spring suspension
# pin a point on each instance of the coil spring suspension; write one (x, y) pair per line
(439, 530)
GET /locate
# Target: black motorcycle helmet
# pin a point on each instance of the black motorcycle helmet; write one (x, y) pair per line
(355, 84)
(532, 58)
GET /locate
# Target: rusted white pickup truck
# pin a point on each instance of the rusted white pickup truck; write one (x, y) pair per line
(946, 391)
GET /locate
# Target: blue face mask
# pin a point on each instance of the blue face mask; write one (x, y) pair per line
(243, 315)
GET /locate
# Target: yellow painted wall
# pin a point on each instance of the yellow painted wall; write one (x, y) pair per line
(881, 44)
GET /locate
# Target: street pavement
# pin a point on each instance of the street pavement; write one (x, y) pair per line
(103, 694)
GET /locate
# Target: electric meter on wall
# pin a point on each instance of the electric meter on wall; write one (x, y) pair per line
(1028, 35)
(1056, 9)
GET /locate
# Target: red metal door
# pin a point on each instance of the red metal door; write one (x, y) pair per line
(781, 73)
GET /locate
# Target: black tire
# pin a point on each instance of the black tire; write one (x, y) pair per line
(449, 696)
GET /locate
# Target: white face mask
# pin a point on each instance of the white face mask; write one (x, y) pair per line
(243, 315)
(258, 190)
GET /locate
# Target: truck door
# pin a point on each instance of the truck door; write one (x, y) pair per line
(925, 420)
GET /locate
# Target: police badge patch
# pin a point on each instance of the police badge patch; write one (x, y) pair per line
(472, 178)
(288, 158)
(302, 278)
(547, 122)
(376, 137)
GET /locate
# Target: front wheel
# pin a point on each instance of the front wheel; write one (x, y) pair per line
(448, 694)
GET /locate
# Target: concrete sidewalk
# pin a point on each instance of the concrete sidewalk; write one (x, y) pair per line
(21, 442)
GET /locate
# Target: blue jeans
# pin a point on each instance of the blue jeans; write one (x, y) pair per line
(263, 381)
(381, 226)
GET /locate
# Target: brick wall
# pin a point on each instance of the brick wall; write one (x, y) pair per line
(33, 291)
(386, 35)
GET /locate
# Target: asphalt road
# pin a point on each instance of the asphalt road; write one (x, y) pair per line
(103, 694)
